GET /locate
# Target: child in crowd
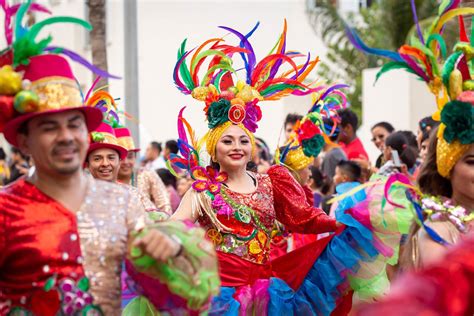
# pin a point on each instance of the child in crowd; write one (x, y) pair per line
(347, 171)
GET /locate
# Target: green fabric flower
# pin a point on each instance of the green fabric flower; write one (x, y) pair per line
(459, 120)
(218, 113)
(313, 146)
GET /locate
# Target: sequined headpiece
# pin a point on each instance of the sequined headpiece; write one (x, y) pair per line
(310, 134)
(449, 78)
(34, 78)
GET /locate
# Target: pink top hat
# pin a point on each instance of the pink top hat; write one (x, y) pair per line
(125, 139)
(104, 137)
(48, 87)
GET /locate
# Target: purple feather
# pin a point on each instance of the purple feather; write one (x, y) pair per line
(245, 44)
(77, 58)
(331, 89)
(415, 18)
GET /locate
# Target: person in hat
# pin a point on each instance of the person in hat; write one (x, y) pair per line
(104, 154)
(63, 234)
(444, 199)
(146, 180)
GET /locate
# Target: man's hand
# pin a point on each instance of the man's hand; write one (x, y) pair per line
(158, 245)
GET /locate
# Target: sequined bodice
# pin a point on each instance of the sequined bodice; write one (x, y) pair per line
(251, 219)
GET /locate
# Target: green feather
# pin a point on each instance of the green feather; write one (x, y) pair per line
(279, 87)
(391, 66)
(205, 54)
(449, 67)
(183, 69)
(441, 43)
(36, 28)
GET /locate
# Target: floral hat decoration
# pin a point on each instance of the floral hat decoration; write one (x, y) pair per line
(35, 78)
(311, 134)
(449, 78)
(232, 96)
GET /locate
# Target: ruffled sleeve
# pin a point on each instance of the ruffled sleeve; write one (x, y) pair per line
(292, 208)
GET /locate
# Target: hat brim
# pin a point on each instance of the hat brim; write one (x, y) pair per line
(93, 118)
(121, 151)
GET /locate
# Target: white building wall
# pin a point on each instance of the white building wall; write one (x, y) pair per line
(398, 98)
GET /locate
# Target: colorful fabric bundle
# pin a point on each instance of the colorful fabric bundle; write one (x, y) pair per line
(311, 134)
(193, 278)
(449, 78)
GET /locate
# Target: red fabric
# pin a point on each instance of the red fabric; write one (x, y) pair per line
(291, 206)
(48, 65)
(344, 305)
(35, 232)
(291, 267)
(355, 150)
(445, 288)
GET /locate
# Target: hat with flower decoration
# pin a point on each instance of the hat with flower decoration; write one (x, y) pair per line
(35, 78)
(449, 78)
(310, 134)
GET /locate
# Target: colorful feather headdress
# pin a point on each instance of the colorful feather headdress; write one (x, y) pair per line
(228, 98)
(311, 133)
(449, 78)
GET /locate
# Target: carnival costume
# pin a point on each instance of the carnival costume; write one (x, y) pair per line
(147, 181)
(54, 261)
(449, 78)
(311, 280)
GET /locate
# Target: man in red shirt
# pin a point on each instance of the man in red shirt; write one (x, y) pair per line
(348, 139)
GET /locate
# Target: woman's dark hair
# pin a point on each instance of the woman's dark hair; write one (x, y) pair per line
(425, 136)
(427, 122)
(385, 125)
(167, 177)
(429, 180)
(3, 156)
(321, 182)
(399, 142)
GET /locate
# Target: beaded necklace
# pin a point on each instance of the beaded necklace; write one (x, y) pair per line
(440, 209)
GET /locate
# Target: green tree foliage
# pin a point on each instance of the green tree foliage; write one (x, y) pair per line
(385, 24)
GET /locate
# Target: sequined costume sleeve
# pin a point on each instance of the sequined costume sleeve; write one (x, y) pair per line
(291, 205)
(151, 184)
